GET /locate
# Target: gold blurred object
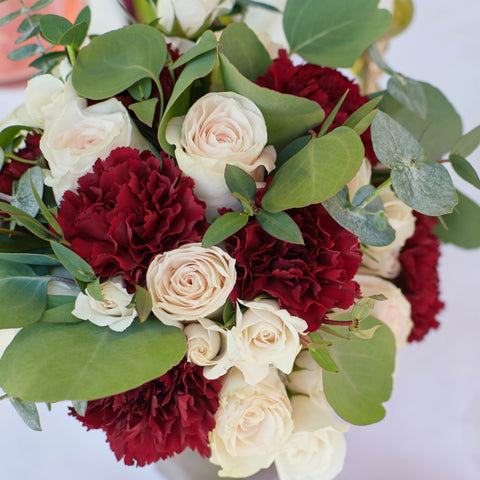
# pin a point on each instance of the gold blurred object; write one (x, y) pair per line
(364, 68)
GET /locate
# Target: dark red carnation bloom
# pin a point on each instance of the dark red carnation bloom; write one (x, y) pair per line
(307, 280)
(131, 208)
(160, 418)
(13, 170)
(418, 279)
(320, 84)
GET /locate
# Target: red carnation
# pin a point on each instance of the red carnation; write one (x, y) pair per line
(159, 418)
(418, 279)
(323, 85)
(307, 280)
(13, 170)
(131, 208)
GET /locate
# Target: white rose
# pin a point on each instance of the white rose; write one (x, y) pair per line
(316, 449)
(114, 312)
(307, 378)
(253, 422)
(191, 15)
(395, 311)
(79, 135)
(206, 347)
(267, 22)
(6, 337)
(385, 259)
(264, 335)
(190, 282)
(361, 178)
(220, 129)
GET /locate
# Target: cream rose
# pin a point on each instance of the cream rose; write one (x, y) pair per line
(385, 259)
(206, 347)
(6, 337)
(220, 129)
(316, 449)
(114, 312)
(264, 335)
(361, 178)
(191, 15)
(79, 135)
(253, 422)
(190, 282)
(395, 311)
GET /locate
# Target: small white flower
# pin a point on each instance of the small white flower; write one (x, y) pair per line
(114, 312)
(206, 347)
(190, 282)
(264, 335)
(252, 424)
(316, 449)
(220, 129)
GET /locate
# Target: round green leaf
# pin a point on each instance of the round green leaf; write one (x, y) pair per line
(364, 379)
(49, 363)
(116, 60)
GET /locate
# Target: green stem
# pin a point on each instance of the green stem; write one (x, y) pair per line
(12, 156)
(160, 91)
(37, 39)
(5, 197)
(3, 397)
(386, 184)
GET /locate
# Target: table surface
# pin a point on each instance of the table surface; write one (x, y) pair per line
(432, 427)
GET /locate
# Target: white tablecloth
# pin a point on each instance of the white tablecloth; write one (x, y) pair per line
(432, 427)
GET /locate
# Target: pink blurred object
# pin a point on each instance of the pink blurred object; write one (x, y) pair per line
(14, 72)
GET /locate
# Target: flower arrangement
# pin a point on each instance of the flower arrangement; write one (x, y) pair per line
(213, 249)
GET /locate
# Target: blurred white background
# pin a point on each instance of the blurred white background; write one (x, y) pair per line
(432, 427)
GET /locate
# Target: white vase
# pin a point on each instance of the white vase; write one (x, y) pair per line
(190, 465)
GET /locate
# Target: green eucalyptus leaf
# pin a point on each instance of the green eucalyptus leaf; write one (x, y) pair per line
(15, 269)
(30, 259)
(24, 197)
(143, 303)
(116, 60)
(61, 313)
(83, 362)
(8, 134)
(392, 143)
(463, 224)
(145, 110)
(360, 223)
(364, 380)
(179, 101)
(76, 265)
(316, 172)
(464, 170)
(48, 60)
(240, 181)
(468, 143)
(365, 122)
(53, 27)
(333, 32)
(438, 132)
(224, 226)
(358, 115)
(26, 36)
(39, 5)
(409, 93)
(10, 17)
(206, 43)
(84, 16)
(93, 289)
(379, 61)
(75, 35)
(23, 300)
(24, 52)
(80, 406)
(286, 116)
(28, 412)
(280, 225)
(141, 90)
(245, 51)
(2, 158)
(324, 359)
(291, 149)
(425, 186)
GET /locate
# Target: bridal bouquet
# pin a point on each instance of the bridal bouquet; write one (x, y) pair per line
(212, 239)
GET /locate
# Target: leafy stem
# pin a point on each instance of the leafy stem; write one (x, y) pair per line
(12, 156)
(29, 19)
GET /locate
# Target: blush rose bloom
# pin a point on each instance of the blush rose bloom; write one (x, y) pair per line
(207, 347)
(316, 449)
(253, 422)
(114, 312)
(264, 335)
(385, 261)
(220, 129)
(75, 138)
(395, 311)
(189, 283)
(191, 15)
